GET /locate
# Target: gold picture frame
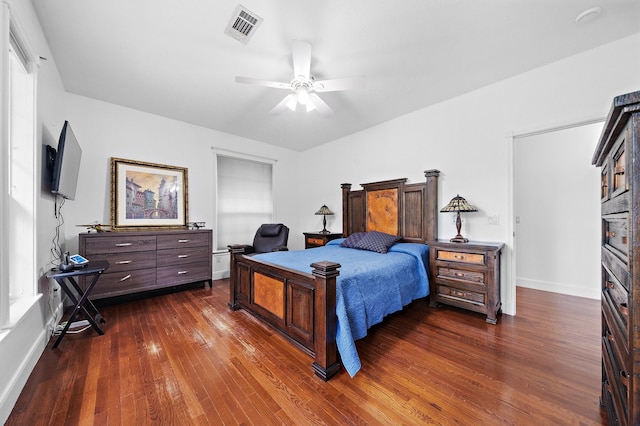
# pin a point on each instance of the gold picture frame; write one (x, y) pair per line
(148, 195)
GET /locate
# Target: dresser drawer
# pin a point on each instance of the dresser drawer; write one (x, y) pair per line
(127, 261)
(615, 235)
(115, 284)
(118, 244)
(181, 240)
(620, 167)
(181, 274)
(617, 377)
(470, 277)
(615, 328)
(456, 256)
(182, 255)
(615, 298)
(607, 398)
(462, 295)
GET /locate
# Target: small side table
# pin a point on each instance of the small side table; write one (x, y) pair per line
(80, 297)
(318, 239)
(466, 275)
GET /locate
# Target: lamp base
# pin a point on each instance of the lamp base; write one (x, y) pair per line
(459, 239)
(324, 231)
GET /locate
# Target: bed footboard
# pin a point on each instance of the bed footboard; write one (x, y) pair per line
(301, 306)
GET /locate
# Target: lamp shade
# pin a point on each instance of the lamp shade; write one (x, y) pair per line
(458, 204)
(324, 210)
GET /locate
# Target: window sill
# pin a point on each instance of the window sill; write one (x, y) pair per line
(18, 310)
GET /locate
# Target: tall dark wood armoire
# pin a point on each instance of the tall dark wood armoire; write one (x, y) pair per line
(618, 155)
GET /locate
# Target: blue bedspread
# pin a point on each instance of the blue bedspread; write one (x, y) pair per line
(370, 286)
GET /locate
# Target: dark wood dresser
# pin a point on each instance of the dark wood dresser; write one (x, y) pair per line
(617, 152)
(148, 260)
(466, 275)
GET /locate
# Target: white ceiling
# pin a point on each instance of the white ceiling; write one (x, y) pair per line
(173, 59)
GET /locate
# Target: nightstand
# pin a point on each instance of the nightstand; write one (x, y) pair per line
(466, 275)
(318, 239)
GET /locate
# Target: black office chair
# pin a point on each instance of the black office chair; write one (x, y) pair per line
(269, 237)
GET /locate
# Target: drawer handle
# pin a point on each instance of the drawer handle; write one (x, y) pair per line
(182, 272)
(610, 285)
(125, 278)
(183, 241)
(624, 378)
(624, 309)
(123, 262)
(124, 244)
(459, 274)
(183, 256)
(459, 256)
(610, 336)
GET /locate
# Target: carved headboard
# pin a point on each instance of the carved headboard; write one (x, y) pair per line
(394, 207)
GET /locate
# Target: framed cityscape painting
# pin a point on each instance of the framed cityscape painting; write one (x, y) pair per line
(148, 195)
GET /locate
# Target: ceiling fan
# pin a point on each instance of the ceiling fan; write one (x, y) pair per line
(304, 87)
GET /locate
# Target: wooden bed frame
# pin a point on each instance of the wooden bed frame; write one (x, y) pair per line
(302, 306)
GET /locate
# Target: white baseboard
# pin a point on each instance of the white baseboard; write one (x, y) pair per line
(218, 275)
(221, 264)
(562, 288)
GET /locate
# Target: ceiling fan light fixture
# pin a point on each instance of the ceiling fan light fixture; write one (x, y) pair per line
(292, 103)
(302, 94)
(310, 106)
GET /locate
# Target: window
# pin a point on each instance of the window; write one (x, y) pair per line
(17, 180)
(244, 199)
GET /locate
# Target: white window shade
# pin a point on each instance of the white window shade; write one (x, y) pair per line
(244, 199)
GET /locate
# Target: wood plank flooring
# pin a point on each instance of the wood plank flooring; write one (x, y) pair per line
(177, 358)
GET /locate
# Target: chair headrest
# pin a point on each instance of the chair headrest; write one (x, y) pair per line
(270, 229)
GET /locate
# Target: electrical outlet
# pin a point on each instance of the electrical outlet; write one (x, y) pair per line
(494, 220)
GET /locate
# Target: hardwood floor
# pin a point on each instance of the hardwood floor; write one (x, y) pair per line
(176, 359)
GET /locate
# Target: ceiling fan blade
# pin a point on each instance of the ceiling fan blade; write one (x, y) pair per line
(320, 105)
(284, 104)
(267, 83)
(336, 84)
(301, 59)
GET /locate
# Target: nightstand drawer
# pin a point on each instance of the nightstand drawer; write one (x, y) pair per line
(456, 256)
(465, 295)
(461, 275)
(315, 241)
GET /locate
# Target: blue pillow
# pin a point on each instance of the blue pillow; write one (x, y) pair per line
(376, 241)
(353, 239)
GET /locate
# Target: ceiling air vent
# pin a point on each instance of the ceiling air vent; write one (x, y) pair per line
(243, 24)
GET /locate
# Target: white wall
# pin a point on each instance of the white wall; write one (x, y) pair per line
(557, 202)
(469, 140)
(106, 130)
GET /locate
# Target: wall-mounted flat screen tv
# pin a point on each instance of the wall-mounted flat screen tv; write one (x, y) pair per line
(66, 166)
